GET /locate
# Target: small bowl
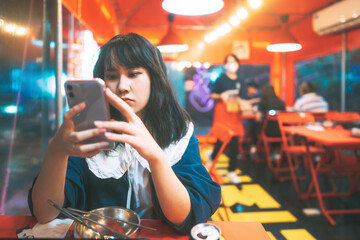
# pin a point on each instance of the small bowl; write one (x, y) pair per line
(128, 215)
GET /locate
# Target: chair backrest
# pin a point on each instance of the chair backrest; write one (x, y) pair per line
(292, 119)
(319, 116)
(221, 132)
(270, 121)
(295, 118)
(342, 117)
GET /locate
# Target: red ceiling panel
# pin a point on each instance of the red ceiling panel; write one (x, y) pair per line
(147, 18)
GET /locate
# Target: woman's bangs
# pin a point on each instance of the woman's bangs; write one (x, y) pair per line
(125, 56)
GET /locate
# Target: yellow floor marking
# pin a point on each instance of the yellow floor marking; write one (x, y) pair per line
(243, 178)
(262, 217)
(249, 195)
(271, 235)
(222, 165)
(225, 171)
(297, 234)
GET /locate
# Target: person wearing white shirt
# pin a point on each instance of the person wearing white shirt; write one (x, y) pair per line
(309, 100)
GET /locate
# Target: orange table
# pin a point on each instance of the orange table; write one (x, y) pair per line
(230, 230)
(334, 140)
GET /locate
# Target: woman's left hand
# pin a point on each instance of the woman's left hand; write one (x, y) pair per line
(133, 132)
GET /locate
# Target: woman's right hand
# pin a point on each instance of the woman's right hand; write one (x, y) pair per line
(67, 141)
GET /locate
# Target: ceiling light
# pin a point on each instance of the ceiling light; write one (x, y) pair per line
(284, 41)
(210, 37)
(242, 13)
(254, 4)
(234, 20)
(192, 7)
(171, 42)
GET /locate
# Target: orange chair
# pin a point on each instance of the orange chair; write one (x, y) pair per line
(264, 142)
(345, 162)
(319, 116)
(224, 134)
(294, 148)
(342, 117)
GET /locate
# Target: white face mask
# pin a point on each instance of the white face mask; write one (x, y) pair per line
(231, 67)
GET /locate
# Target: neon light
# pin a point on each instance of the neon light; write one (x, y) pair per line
(199, 97)
(11, 109)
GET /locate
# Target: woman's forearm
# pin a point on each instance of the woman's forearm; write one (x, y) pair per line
(173, 197)
(50, 184)
(215, 96)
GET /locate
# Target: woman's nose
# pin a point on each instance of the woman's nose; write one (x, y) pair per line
(124, 84)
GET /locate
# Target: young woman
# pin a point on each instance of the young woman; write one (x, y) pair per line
(155, 168)
(229, 82)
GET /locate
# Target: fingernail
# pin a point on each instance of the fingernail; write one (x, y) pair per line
(109, 134)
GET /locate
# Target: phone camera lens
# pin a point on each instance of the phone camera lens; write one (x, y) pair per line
(71, 94)
(69, 87)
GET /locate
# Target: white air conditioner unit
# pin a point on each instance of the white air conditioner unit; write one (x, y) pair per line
(336, 17)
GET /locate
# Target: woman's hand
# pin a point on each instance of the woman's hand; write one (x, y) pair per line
(133, 132)
(173, 196)
(67, 141)
(224, 96)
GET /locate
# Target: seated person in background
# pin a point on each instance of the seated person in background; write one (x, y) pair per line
(250, 125)
(309, 100)
(269, 101)
(155, 168)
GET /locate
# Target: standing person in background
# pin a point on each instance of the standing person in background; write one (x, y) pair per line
(155, 168)
(309, 100)
(221, 91)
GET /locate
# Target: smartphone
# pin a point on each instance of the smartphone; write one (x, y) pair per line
(92, 92)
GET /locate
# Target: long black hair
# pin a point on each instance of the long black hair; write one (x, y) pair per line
(268, 95)
(163, 116)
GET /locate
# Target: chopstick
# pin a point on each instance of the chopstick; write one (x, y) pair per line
(71, 214)
(111, 218)
(74, 218)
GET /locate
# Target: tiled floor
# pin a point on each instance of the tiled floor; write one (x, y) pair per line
(262, 198)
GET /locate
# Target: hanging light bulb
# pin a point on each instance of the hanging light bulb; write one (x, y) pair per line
(171, 42)
(284, 41)
(192, 7)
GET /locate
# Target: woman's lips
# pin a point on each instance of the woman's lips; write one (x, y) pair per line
(127, 100)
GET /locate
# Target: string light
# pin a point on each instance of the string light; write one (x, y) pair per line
(12, 28)
(234, 20)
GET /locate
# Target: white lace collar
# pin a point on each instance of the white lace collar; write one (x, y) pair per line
(118, 161)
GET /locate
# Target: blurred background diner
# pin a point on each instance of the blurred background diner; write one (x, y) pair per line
(45, 42)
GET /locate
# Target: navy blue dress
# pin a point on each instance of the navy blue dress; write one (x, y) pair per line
(85, 191)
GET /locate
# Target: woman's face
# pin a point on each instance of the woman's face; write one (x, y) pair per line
(131, 85)
(231, 64)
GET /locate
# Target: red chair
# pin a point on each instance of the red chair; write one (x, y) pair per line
(277, 166)
(226, 125)
(346, 163)
(294, 148)
(319, 116)
(224, 134)
(342, 117)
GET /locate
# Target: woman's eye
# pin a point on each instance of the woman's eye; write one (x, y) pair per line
(110, 76)
(134, 74)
